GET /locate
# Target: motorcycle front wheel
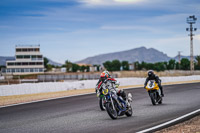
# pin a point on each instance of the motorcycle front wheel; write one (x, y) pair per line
(111, 112)
(153, 99)
(101, 103)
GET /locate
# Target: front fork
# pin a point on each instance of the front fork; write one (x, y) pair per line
(112, 102)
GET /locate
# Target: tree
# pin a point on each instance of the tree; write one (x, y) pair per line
(149, 66)
(143, 65)
(46, 61)
(171, 64)
(87, 68)
(82, 68)
(108, 65)
(166, 64)
(116, 65)
(185, 64)
(68, 65)
(197, 65)
(159, 66)
(49, 67)
(198, 60)
(125, 65)
(177, 66)
(75, 67)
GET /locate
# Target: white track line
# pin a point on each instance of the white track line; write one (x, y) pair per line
(169, 122)
(73, 96)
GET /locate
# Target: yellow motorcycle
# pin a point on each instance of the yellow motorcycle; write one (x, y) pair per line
(154, 92)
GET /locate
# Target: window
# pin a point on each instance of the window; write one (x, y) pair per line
(11, 64)
(26, 56)
(18, 63)
(37, 49)
(18, 70)
(31, 63)
(24, 50)
(39, 63)
(13, 70)
(18, 50)
(34, 56)
(8, 70)
(39, 56)
(26, 70)
(24, 63)
(30, 50)
(19, 57)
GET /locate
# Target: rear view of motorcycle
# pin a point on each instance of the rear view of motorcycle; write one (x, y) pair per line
(154, 92)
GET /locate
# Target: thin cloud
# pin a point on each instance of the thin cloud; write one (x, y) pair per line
(167, 5)
(143, 28)
(110, 2)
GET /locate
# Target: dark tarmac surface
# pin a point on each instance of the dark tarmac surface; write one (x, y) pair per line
(82, 113)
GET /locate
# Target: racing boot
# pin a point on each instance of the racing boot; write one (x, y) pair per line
(129, 100)
(161, 89)
(129, 97)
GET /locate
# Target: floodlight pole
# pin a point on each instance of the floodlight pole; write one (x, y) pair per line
(191, 20)
(191, 49)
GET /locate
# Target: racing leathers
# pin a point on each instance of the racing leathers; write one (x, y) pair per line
(110, 83)
(157, 80)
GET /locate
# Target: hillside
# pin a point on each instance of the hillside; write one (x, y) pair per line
(138, 54)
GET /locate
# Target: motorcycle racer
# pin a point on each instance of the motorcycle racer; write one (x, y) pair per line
(106, 78)
(152, 76)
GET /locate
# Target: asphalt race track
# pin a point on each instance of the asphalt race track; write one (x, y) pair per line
(81, 114)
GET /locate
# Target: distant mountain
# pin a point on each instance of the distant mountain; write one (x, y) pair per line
(54, 63)
(150, 55)
(3, 60)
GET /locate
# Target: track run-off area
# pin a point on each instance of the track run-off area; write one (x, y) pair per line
(82, 113)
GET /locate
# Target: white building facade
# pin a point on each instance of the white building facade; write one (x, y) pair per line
(28, 60)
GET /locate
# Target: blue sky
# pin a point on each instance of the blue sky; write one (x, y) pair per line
(76, 29)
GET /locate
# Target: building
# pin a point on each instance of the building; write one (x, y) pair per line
(28, 60)
(92, 68)
(131, 66)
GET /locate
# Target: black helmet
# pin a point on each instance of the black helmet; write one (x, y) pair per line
(150, 73)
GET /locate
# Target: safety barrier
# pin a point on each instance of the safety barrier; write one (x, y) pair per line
(32, 88)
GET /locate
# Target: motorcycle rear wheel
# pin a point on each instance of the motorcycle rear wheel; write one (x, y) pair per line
(129, 112)
(101, 103)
